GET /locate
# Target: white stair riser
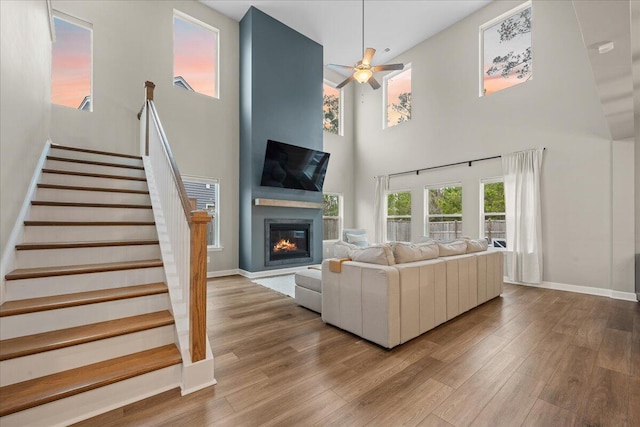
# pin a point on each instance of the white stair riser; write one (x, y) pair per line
(89, 168)
(78, 256)
(81, 196)
(58, 285)
(91, 403)
(37, 365)
(80, 213)
(68, 154)
(89, 181)
(51, 320)
(87, 233)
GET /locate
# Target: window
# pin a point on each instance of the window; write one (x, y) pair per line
(506, 50)
(444, 212)
(492, 218)
(397, 96)
(331, 216)
(204, 194)
(331, 108)
(71, 64)
(399, 216)
(195, 55)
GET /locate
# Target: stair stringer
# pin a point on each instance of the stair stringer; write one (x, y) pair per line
(198, 375)
(8, 258)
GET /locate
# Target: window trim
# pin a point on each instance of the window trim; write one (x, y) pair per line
(386, 211)
(216, 181)
(385, 83)
(190, 19)
(55, 13)
(427, 215)
(483, 181)
(340, 107)
(489, 24)
(340, 215)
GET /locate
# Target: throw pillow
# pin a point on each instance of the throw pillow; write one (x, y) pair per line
(410, 252)
(341, 249)
(358, 239)
(377, 254)
(454, 247)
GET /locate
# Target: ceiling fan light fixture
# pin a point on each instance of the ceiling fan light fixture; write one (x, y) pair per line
(363, 75)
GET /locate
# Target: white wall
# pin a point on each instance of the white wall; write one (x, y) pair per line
(25, 93)
(133, 42)
(622, 215)
(557, 109)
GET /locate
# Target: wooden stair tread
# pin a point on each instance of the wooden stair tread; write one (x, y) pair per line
(96, 244)
(52, 340)
(79, 188)
(87, 150)
(90, 205)
(93, 162)
(91, 174)
(65, 270)
(28, 394)
(86, 223)
(32, 305)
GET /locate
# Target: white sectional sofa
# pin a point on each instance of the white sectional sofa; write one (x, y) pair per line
(391, 304)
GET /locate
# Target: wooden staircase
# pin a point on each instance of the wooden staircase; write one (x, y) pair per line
(86, 324)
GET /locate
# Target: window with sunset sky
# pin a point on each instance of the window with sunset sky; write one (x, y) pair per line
(195, 55)
(71, 63)
(398, 97)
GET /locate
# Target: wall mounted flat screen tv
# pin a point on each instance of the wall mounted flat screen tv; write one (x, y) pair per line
(290, 166)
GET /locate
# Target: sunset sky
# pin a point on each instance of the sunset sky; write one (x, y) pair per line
(493, 48)
(396, 85)
(194, 56)
(71, 64)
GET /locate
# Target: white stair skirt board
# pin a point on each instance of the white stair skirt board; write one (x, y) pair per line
(38, 365)
(625, 296)
(94, 402)
(51, 320)
(282, 284)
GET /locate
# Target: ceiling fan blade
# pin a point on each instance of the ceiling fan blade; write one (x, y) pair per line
(368, 56)
(346, 82)
(340, 67)
(374, 83)
(387, 67)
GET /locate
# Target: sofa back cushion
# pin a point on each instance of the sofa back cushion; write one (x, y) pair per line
(411, 252)
(476, 245)
(341, 249)
(454, 247)
(376, 254)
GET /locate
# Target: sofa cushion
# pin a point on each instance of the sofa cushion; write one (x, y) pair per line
(476, 245)
(309, 279)
(453, 247)
(411, 252)
(376, 254)
(341, 249)
(357, 239)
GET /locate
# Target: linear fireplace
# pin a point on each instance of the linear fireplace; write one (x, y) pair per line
(287, 241)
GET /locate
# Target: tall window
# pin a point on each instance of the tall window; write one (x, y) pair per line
(506, 50)
(331, 216)
(195, 55)
(71, 62)
(397, 96)
(492, 209)
(204, 194)
(444, 212)
(399, 216)
(331, 108)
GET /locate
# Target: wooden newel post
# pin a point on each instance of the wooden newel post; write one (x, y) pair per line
(198, 286)
(149, 86)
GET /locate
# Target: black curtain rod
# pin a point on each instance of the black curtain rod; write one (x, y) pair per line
(467, 162)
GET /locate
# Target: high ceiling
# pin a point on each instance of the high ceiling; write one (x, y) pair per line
(337, 25)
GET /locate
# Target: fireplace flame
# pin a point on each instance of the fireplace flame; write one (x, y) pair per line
(284, 245)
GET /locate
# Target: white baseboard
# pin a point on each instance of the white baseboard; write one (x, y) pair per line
(626, 296)
(222, 273)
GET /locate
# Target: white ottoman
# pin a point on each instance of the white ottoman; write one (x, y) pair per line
(309, 289)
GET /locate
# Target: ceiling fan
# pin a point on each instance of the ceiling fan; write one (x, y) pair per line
(363, 70)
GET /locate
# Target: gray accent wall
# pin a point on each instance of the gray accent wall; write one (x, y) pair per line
(280, 99)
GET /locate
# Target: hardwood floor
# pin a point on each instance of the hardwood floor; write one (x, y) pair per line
(533, 357)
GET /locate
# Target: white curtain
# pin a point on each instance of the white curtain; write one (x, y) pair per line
(379, 207)
(522, 208)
